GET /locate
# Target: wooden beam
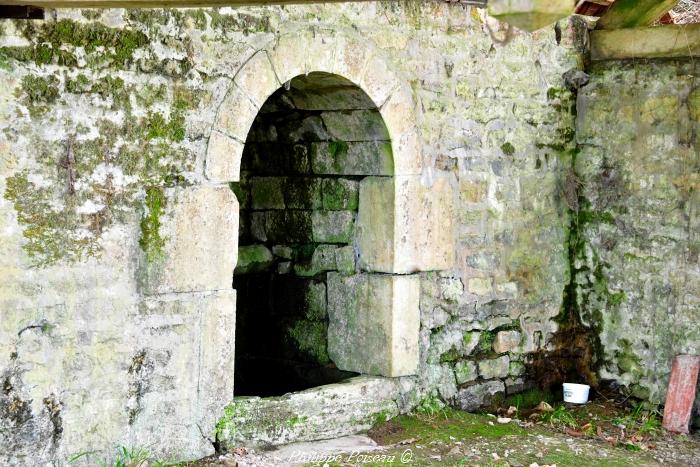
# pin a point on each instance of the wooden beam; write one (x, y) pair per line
(21, 12)
(159, 3)
(669, 41)
(634, 13)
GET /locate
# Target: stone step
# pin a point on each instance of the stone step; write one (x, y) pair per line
(324, 412)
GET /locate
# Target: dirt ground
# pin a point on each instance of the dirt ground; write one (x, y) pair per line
(518, 432)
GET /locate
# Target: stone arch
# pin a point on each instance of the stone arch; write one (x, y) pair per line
(414, 231)
(296, 54)
(422, 235)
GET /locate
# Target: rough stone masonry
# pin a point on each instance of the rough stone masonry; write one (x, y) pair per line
(119, 231)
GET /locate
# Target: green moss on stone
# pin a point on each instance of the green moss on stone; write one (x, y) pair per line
(486, 339)
(338, 149)
(508, 149)
(151, 241)
(39, 92)
(118, 44)
(156, 126)
(311, 338)
(227, 423)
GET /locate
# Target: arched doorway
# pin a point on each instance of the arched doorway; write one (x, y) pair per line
(315, 142)
(401, 226)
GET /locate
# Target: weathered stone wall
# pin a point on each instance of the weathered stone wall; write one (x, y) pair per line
(636, 259)
(115, 267)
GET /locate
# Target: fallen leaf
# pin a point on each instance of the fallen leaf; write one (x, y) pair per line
(503, 420)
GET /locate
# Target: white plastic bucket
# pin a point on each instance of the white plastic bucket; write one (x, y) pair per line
(576, 393)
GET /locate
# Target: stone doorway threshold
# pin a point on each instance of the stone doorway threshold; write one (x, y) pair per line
(324, 412)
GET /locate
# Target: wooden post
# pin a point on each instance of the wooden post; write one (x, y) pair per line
(681, 393)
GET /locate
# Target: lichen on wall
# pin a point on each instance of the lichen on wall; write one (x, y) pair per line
(637, 274)
(90, 172)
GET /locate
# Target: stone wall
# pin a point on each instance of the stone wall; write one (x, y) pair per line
(636, 258)
(118, 242)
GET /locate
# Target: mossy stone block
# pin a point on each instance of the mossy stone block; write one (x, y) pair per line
(465, 371)
(281, 226)
(345, 259)
(276, 159)
(253, 258)
(355, 125)
(340, 194)
(302, 193)
(266, 193)
(333, 226)
(353, 158)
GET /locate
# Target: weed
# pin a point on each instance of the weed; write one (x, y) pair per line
(131, 457)
(560, 416)
(431, 406)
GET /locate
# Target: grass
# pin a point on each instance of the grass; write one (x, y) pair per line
(529, 399)
(125, 457)
(643, 421)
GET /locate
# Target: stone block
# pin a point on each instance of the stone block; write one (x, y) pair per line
(405, 226)
(315, 300)
(345, 259)
(236, 114)
(276, 159)
(517, 369)
(451, 343)
(352, 158)
(506, 341)
(302, 193)
(333, 226)
(253, 258)
(266, 193)
(355, 125)
(480, 286)
(322, 260)
(199, 228)
(223, 162)
(530, 15)
(473, 397)
(310, 128)
(473, 191)
(465, 371)
(324, 412)
(373, 323)
(494, 368)
(281, 226)
(331, 98)
(283, 251)
(185, 359)
(340, 194)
